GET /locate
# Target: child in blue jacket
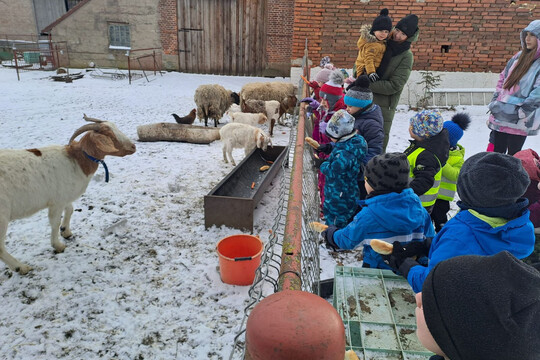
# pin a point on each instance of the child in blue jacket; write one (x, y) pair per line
(341, 169)
(391, 211)
(493, 218)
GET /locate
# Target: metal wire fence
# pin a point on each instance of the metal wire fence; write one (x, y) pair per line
(269, 272)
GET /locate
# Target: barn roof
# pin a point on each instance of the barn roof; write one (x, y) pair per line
(49, 27)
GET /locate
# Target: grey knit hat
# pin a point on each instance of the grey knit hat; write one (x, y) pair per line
(340, 124)
(490, 179)
(388, 172)
(484, 307)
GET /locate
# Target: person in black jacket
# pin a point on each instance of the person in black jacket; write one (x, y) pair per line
(427, 154)
(368, 122)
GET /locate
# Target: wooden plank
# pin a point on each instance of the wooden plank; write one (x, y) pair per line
(192, 54)
(206, 38)
(239, 34)
(181, 4)
(198, 37)
(234, 36)
(245, 38)
(220, 36)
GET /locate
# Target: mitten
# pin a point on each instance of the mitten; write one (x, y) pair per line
(328, 237)
(399, 254)
(314, 84)
(325, 148)
(322, 127)
(373, 77)
(318, 162)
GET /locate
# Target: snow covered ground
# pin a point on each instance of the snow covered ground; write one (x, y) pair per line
(138, 280)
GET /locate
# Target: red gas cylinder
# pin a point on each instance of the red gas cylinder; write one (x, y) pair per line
(294, 325)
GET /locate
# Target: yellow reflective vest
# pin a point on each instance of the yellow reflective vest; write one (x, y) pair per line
(429, 197)
(450, 173)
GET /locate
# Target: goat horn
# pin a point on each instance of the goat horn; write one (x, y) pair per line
(85, 128)
(92, 119)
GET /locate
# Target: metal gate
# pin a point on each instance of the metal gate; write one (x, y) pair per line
(225, 37)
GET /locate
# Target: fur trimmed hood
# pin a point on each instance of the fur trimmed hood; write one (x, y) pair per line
(365, 35)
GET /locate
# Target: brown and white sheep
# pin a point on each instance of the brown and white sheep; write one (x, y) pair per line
(237, 135)
(53, 177)
(270, 108)
(275, 90)
(213, 101)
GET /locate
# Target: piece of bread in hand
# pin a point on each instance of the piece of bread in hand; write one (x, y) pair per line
(381, 247)
(313, 143)
(318, 227)
(351, 355)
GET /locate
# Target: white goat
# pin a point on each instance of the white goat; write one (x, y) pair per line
(53, 177)
(237, 135)
(248, 118)
(233, 109)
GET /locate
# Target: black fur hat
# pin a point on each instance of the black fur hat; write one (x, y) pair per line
(382, 22)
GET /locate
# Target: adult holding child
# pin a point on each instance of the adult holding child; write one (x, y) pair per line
(515, 105)
(395, 69)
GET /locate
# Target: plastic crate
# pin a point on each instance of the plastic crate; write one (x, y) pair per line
(31, 57)
(378, 311)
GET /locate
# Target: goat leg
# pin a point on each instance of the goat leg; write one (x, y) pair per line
(65, 231)
(55, 215)
(10, 261)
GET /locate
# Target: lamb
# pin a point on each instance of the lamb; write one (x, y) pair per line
(276, 90)
(212, 102)
(236, 135)
(270, 108)
(53, 177)
(248, 118)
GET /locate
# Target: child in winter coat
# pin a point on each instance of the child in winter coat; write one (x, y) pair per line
(427, 154)
(493, 217)
(531, 163)
(320, 79)
(480, 307)
(331, 101)
(368, 122)
(372, 45)
(341, 169)
(450, 171)
(390, 212)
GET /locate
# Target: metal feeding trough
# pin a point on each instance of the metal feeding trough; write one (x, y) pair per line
(232, 201)
(378, 311)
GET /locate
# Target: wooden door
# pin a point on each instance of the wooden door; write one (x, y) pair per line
(225, 37)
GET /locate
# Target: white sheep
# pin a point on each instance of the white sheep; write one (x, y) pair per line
(232, 109)
(53, 177)
(213, 101)
(248, 118)
(237, 135)
(270, 108)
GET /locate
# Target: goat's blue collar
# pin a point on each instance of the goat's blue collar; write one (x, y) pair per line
(99, 162)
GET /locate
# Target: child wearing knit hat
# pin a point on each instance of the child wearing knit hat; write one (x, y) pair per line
(480, 307)
(341, 169)
(371, 45)
(493, 218)
(450, 171)
(368, 121)
(391, 211)
(427, 154)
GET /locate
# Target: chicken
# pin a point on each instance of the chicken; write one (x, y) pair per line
(189, 119)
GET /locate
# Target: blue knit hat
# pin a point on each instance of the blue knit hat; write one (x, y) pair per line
(340, 124)
(427, 123)
(455, 127)
(360, 94)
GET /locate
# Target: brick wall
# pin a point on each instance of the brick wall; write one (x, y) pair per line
(480, 35)
(168, 26)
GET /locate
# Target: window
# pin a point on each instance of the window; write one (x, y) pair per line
(119, 37)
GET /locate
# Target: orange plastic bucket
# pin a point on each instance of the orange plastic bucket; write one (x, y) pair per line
(239, 257)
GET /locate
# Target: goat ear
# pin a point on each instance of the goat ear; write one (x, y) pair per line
(260, 139)
(103, 143)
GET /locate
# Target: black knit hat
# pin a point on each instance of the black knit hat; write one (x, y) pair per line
(408, 25)
(388, 172)
(484, 307)
(490, 179)
(381, 22)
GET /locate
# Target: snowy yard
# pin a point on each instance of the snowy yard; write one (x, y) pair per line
(138, 280)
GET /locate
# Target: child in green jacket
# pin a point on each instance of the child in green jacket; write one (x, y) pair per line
(450, 171)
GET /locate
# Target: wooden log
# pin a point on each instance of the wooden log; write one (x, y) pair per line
(177, 132)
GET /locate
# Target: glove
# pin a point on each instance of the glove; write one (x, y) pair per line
(322, 127)
(314, 85)
(328, 237)
(373, 77)
(314, 104)
(325, 148)
(401, 257)
(318, 162)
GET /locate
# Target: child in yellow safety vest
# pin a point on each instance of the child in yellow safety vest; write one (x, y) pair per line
(427, 154)
(459, 123)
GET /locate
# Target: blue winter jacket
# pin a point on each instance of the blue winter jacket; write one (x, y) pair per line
(389, 217)
(341, 188)
(466, 234)
(369, 124)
